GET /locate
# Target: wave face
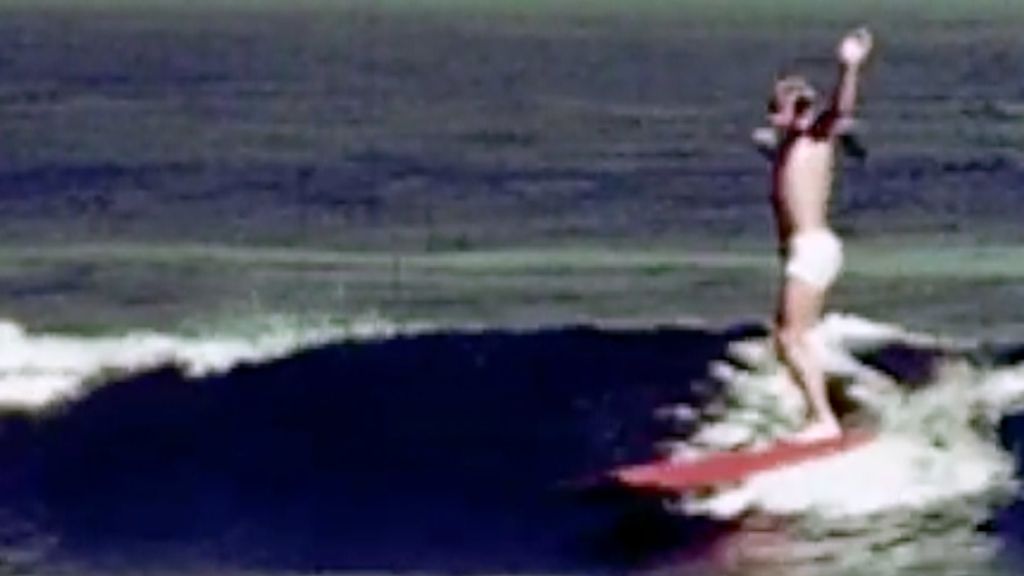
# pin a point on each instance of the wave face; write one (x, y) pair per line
(430, 453)
(461, 451)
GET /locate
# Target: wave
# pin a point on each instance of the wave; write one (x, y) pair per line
(431, 452)
(378, 447)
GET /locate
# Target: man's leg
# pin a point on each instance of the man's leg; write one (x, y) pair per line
(800, 310)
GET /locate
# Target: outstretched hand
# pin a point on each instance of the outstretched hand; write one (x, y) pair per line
(855, 47)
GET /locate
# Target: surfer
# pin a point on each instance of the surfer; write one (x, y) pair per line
(804, 137)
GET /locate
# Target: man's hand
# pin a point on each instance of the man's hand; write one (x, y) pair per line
(766, 141)
(854, 49)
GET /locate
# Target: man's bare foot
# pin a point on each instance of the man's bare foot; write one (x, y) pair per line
(817, 432)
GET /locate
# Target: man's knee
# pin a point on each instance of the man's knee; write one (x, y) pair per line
(790, 341)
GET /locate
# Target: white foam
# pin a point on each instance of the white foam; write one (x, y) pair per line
(1002, 391)
(892, 472)
(933, 446)
(38, 369)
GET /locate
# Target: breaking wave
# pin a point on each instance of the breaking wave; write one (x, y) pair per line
(310, 448)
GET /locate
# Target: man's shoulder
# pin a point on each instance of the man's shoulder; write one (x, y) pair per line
(805, 142)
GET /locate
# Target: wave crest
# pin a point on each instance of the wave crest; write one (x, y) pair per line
(39, 369)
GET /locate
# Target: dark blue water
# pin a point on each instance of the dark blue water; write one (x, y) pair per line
(132, 135)
(438, 453)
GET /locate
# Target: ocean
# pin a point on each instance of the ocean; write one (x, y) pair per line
(380, 287)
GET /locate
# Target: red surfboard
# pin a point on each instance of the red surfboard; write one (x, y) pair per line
(710, 470)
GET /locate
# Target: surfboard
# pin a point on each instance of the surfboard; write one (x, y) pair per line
(727, 467)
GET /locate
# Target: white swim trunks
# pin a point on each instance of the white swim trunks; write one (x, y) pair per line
(815, 256)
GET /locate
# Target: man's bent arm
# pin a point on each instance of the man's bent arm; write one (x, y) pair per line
(844, 102)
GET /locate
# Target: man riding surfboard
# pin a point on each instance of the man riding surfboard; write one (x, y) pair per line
(803, 168)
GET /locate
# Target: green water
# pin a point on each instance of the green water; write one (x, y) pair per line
(193, 285)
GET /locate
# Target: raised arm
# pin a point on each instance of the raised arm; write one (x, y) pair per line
(852, 52)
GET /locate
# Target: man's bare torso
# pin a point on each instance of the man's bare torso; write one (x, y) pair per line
(802, 185)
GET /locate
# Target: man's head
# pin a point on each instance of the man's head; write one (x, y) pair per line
(792, 103)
